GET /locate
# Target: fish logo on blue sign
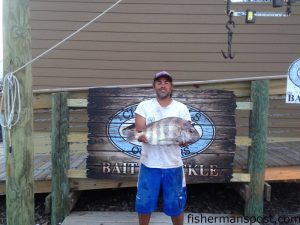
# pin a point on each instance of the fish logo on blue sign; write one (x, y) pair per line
(125, 118)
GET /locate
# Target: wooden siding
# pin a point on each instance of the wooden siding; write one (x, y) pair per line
(140, 37)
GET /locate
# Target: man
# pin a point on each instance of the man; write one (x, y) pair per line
(161, 166)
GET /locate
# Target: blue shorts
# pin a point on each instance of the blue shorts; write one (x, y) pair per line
(173, 187)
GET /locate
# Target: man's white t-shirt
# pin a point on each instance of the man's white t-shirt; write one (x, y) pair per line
(167, 156)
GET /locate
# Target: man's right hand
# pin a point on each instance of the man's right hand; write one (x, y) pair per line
(143, 138)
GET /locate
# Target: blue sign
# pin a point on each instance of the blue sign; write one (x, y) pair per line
(125, 119)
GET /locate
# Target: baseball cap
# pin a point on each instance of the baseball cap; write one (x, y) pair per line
(163, 74)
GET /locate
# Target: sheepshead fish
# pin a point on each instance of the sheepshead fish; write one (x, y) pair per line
(167, 131)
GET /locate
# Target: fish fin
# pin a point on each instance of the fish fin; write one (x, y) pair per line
(130, 135)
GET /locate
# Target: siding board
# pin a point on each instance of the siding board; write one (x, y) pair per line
(51, 77)
(42, 16)
(170, 8)
(151, 8)
(196, 47)
(139, 37)
(161, 57)
(178, 39)
(186, 28)
(181, 66)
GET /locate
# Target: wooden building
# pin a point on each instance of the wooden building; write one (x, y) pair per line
(130, 43)
(139, 37)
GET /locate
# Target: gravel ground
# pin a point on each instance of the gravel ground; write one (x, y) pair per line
(202, 198)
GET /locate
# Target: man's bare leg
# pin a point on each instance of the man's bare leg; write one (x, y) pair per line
(144, 219)
(178, 220)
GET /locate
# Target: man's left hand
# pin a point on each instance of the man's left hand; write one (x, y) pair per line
(183, 144)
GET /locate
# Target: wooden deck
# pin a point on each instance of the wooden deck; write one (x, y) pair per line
(129, 218)
(282, 164)
(280, 154)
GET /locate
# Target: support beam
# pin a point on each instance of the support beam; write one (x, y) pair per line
(72, 200)
(267, 192)
(243, 190)
(60, 158)
(19, 159)
(257, 152)
(48, 204)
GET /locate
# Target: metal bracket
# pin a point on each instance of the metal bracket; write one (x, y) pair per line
(251, 17)
(263, 14)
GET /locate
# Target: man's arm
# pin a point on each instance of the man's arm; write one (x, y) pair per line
(140, 124)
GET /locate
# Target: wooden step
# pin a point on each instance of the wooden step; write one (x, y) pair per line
(157, 218)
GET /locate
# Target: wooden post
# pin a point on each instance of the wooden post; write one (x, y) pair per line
(19, 161)
(60, 158)
(258, 133)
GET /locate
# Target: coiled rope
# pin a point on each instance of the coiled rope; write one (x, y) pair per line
(10, 104)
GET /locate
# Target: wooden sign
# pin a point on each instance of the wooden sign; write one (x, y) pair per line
(111, 156)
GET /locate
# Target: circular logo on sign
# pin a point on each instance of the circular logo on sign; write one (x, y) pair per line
(294, 72)
(125, 119)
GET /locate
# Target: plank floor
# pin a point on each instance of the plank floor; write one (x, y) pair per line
(278, 154)
(157, 218)
(42, 165)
